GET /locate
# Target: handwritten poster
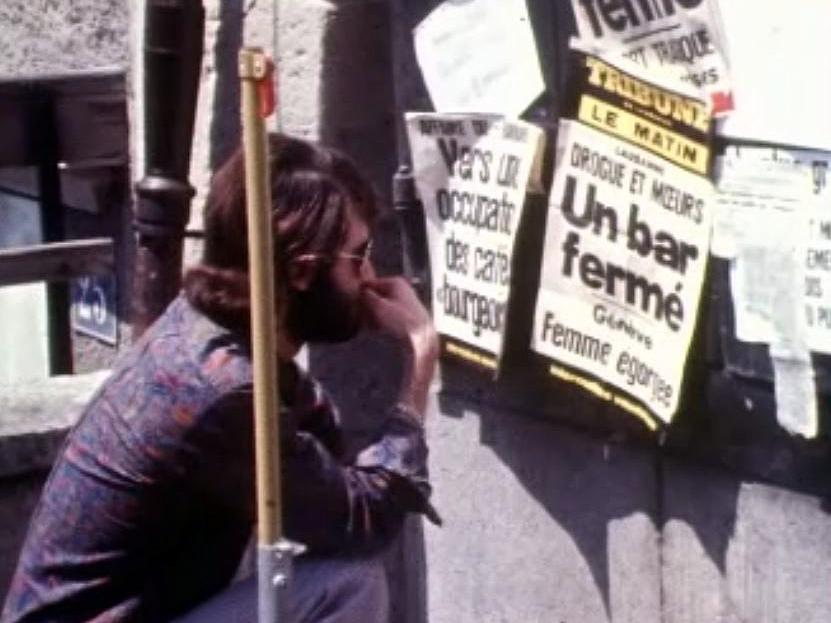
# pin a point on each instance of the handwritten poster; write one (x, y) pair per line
(684, 36)
(627, 238)
(471, 172)
(479, 56)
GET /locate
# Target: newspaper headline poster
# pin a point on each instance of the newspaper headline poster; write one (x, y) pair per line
(681, 35)
(471, 173)
(627, 237)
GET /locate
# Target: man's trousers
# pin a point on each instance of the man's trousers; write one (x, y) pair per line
(323, 590)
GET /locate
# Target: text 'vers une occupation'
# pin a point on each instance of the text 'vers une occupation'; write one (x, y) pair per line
(479, 211)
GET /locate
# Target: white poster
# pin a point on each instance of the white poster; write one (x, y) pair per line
(818, 278)
(627, 237)
(471, 172)
(774, 219)
(779, 64)
(479, 56)
(683, 36)
(773, 223)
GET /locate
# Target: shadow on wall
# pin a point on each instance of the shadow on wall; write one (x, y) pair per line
(587, 482)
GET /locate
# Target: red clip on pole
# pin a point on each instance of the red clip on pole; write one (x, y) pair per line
(266, 91)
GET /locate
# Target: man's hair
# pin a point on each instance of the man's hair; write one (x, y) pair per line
(312, 190)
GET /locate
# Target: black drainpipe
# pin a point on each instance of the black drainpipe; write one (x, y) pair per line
(43, 129)
(407, 205)
(173, 44)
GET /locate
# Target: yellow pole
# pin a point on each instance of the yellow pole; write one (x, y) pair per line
(274, 553)
(254, 68)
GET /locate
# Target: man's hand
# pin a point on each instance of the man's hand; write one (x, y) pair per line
(393, 308)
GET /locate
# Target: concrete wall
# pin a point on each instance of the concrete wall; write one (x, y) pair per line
(43, 37)
(547, 523)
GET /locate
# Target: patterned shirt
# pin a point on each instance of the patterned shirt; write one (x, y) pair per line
(150, 505)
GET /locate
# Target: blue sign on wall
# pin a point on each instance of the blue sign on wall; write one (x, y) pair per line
(94, 307)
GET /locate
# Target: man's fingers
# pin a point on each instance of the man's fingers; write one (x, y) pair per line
(372, 298)
(375, 304)
(387, 286)
(394, 289)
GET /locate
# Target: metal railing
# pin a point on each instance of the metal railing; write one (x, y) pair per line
(57, 261)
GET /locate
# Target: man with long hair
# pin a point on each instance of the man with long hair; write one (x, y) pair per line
(150, 505)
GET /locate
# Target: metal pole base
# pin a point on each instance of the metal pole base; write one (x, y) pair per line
(274, 573)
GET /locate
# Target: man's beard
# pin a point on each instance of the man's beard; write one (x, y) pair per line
(322, 313)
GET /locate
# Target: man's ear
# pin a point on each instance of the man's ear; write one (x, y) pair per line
(301, 273)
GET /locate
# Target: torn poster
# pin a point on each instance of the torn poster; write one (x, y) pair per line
(761, 191)
(627, 237)
(773, 223)
(685, 36)
(479, 56)
(472, 173)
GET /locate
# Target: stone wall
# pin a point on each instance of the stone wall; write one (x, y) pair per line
(45, 37)
(544, 522)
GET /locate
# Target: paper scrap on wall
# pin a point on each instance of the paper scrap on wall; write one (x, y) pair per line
(773, 223)
(627, 236)
(770, 204)
(472, 172)
(685, 36)
(479, 56)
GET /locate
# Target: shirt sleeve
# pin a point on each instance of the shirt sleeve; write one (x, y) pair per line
(359, 505)
(329, 504)
(314, 413)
